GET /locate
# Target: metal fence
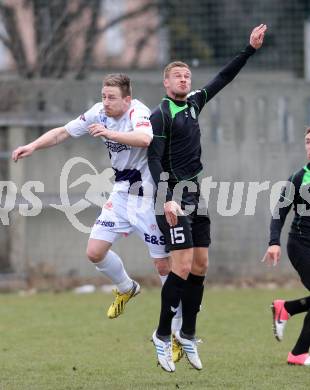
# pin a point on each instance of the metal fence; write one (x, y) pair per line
(211, 31)
(60, 37)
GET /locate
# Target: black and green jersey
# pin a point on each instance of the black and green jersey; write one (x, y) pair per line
(176, 147)
(296, 194)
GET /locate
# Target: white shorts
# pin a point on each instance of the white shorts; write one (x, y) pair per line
(124, 214)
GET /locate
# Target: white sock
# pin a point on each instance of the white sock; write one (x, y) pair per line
(177, 319)
(163, 278)
(112, 267)
(176, 323)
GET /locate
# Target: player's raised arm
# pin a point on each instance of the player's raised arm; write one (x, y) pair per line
(50, 138)
(230, 71)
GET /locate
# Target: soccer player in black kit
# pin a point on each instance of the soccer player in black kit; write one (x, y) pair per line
(176, 152)
(296, 194)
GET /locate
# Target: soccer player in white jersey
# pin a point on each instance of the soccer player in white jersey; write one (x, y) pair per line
(123, 124)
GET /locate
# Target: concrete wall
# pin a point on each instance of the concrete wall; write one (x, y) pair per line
(253, 131)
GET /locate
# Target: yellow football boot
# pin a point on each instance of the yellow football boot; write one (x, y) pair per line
(177, 350)
(118, 306)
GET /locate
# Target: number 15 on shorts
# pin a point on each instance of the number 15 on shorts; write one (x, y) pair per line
(177, 235)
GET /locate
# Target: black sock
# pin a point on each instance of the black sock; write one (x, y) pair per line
(191, 301)
(303, 342)
(298, 306)
(170, 299)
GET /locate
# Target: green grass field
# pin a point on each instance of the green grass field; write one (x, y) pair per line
(65, 341)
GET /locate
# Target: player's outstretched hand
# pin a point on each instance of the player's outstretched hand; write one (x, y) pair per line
(257, 36)
(172, 210)
(272, 256)
(22, 151)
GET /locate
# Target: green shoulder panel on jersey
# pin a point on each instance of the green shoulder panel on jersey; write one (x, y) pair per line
(174, 109)
(306, 176)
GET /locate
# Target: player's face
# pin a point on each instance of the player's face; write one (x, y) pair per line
(307, 145)
(115, 105)
(178, 82)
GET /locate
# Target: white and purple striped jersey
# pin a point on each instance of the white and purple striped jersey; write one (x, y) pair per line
(129, 163)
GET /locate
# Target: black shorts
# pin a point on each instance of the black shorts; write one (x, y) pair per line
(192, 230)
(298, 250)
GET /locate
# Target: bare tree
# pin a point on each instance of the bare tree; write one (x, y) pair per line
(57, 25)
(12, 39)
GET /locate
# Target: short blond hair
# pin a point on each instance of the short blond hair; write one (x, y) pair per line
(120, 80)
(174, 64)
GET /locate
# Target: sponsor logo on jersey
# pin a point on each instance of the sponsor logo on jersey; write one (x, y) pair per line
(193, 112)
(82, 118)
(103, 117)
(152, 239)
(153, 226)
(116, 147)
(105, 223)
(146, 124)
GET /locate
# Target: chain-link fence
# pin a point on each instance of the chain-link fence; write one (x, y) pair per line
(53, 38)
(211, 31)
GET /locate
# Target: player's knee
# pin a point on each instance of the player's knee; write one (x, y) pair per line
(93, 255)
(163, 267)
(200, 265)
(182, 267)
(201, 270)
(183, 270)
(204, 269)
